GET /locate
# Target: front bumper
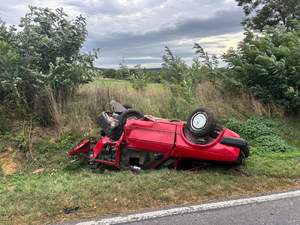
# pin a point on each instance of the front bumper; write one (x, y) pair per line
(241, 143)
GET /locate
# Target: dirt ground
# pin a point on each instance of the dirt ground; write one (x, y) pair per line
(9, 162)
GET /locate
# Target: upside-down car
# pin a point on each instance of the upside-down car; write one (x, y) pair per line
(130, 139)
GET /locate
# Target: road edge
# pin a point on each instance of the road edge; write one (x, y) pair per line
(190, 209)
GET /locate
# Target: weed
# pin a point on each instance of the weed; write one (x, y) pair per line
(51, 153)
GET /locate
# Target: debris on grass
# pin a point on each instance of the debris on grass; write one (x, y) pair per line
(71, 210)
(40, 170)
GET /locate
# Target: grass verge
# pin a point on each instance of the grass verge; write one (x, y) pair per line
(28, 198)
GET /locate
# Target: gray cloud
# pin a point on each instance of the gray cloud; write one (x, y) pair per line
(112, 7)
(138, 30)
(124, 44)
(222, 22)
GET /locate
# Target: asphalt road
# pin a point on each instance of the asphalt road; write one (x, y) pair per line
(278, 212)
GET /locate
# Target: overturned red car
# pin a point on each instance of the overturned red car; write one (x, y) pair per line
(133, 140)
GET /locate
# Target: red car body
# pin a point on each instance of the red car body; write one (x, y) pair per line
(165, 140)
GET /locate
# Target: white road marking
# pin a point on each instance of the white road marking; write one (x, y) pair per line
(190, 209)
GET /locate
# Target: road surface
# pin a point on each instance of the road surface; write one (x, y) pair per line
(280, 212)
(274, 209)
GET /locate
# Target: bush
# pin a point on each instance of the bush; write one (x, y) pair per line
(271, 143)
(137, 78)
(109, 73)
(253, 127)
(268, 66)
(64, 143)
(264, 134)
(44, 53)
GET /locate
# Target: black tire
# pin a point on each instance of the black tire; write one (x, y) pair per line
(201, 122)
(127, 106)
(104, 123)
(241, 158)
(130, 113)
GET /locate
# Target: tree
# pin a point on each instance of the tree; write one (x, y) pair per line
(138, 78)
(43, 54)
(6, 34)
(260, 13)
(268, 66)
(173, 67)
(183, 79)
(209, 65)
(47, 35)
(9, 70)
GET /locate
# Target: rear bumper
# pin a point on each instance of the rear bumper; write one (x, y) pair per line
(84, 146)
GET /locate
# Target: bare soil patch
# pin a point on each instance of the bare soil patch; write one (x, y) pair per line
(10, 163)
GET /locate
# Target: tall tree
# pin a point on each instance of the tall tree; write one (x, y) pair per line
(44, 53)
(260, 13)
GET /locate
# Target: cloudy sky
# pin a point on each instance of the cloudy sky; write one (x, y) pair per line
(136, 31)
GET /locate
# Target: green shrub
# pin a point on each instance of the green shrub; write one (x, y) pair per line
(253, 127)
(271, 143)
(65, 142)
(263, 134)
(138, 78)
(45, 146)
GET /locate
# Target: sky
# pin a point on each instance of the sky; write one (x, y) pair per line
(136, 31)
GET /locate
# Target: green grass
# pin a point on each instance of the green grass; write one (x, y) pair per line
(291, 131)
(275, 165)
(28, 198)
(34, 199)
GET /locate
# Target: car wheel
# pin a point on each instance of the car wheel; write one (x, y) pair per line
(241, 158)
(127, 106)
(201, 122)
(128, 114)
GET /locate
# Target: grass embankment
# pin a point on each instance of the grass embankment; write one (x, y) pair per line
(40, 199)
(28, 197)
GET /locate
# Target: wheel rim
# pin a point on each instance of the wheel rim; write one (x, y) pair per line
(198, 121)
